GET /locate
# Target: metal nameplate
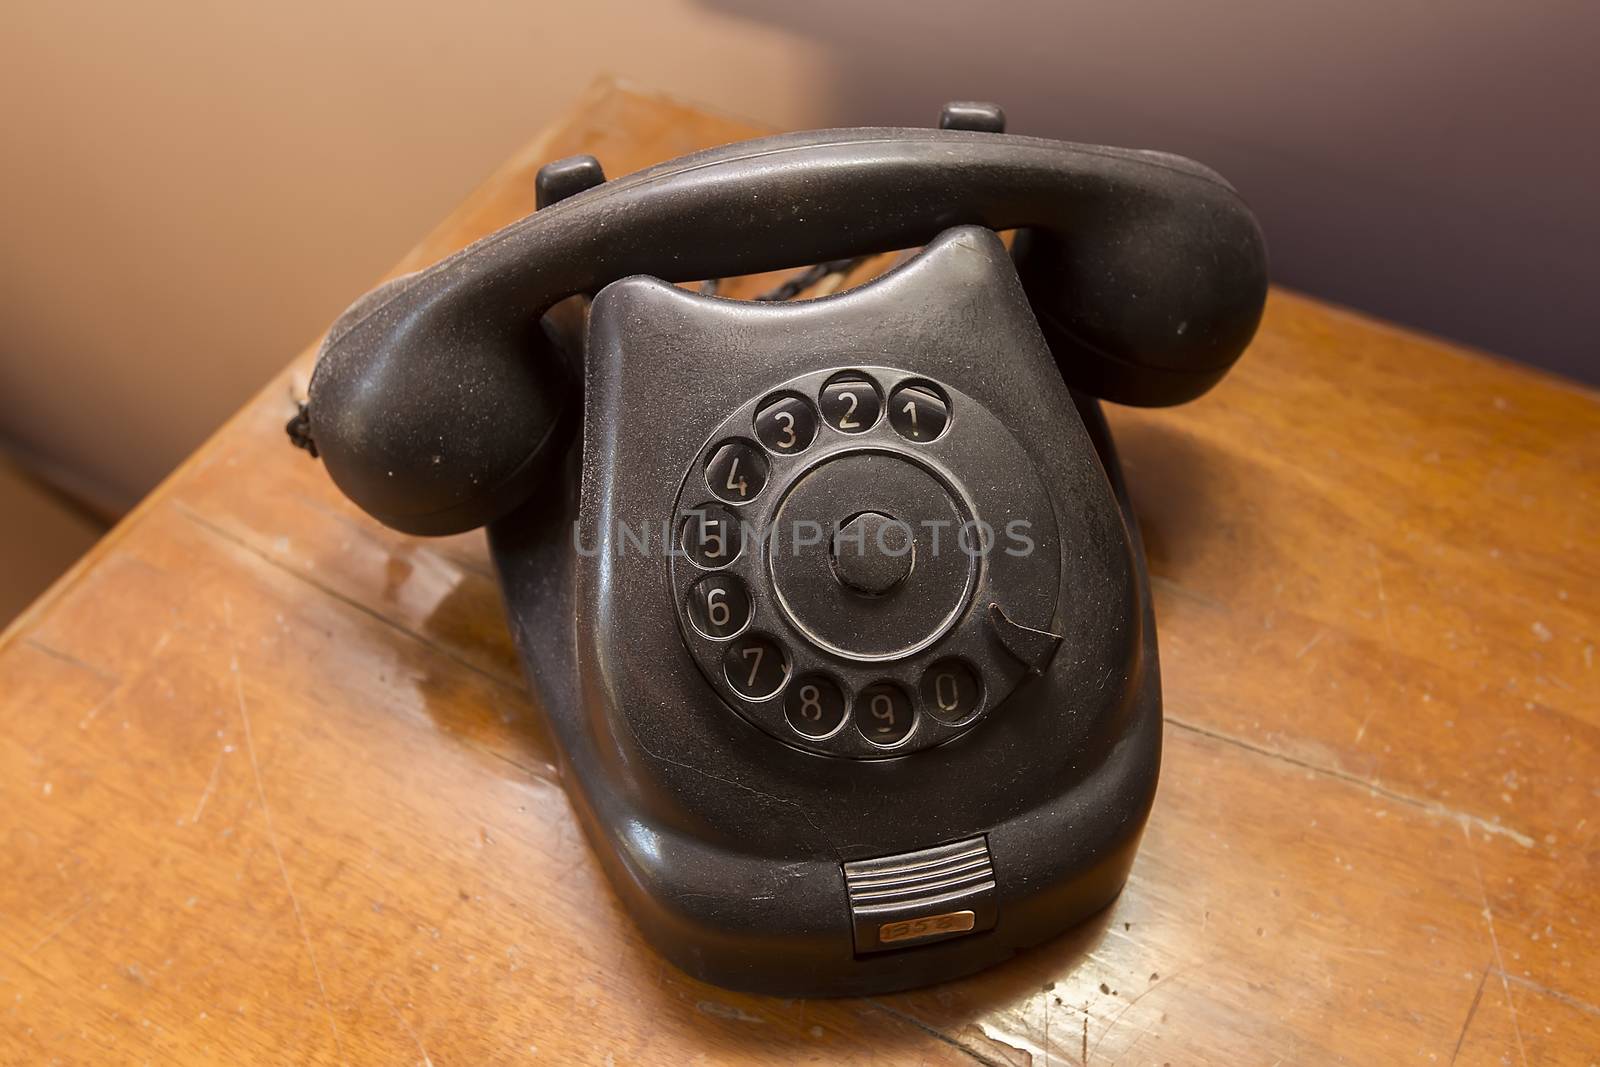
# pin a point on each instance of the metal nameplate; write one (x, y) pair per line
(951, 922)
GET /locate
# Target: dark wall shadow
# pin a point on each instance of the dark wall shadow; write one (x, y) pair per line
(1433, 165)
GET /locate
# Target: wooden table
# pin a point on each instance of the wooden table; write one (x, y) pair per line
(273, 790)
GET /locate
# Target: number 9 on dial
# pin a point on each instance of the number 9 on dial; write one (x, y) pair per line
(884, 714)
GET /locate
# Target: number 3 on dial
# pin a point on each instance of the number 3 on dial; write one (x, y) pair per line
(786, 424)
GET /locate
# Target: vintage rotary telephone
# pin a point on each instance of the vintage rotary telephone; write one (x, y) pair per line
(836, 607)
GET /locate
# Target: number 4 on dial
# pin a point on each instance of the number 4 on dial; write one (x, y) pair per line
(736, 472)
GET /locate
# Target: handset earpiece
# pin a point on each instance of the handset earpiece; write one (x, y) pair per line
(440, 437)
(438, 404)
(1148, 301)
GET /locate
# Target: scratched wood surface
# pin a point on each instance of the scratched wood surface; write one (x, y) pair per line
(271, 789)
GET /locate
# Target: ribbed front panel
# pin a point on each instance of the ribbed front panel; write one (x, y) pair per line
(912, 879)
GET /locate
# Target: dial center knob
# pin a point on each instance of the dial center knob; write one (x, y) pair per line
(872, 553)
(865, 555)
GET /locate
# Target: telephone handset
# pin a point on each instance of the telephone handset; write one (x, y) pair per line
(836, 607)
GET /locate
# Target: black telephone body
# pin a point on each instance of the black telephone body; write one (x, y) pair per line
(836, 608)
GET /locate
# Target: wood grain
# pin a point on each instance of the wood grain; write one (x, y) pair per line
(273, 790)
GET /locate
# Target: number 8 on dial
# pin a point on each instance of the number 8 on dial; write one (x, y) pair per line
(814, 706)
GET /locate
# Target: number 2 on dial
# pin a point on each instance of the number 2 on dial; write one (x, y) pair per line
(845, 421)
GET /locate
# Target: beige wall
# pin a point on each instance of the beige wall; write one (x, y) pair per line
(192, 190)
